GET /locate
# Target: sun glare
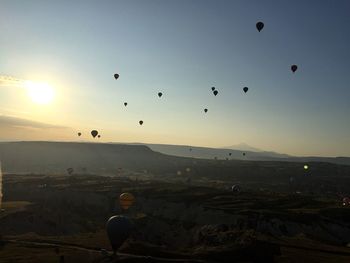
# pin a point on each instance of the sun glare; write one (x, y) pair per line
(40, 93)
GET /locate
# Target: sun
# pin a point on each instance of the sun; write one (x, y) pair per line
(40, 93)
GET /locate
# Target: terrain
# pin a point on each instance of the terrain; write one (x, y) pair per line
(185, 210)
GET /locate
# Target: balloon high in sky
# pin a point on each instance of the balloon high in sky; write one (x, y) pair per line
(92, 61)
(259, 26)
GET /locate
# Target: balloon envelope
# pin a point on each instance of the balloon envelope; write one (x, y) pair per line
(205, 110)
(346, 201)
(125, 103)
(215, 92)
(212, 88)
(160, 94)
(94, 133)
(126, 200)
(98, 136)
(245, 89)
(294, 68)
(118, 230)
(79, 133)
(116, 76)
(235, 188)
(141, 122)
(259, 26)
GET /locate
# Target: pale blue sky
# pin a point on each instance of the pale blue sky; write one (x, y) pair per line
(183, 48)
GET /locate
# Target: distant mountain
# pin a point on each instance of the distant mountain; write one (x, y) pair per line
(243, 147)
(108, 158)
(211, 153)
(101, 158)
(223, 153)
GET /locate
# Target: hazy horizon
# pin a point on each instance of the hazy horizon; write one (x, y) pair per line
(181, 48)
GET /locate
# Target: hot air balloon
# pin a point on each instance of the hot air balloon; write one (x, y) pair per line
(98, 136)
(70, 171)
(94, 133)
(126, 200)
(294, 68)
(243, 154)
(259, 26)
(79, 133)
(212, 88)
(160, 94)
(118, 230)
(205, 110)
(141, 122)
(245, 89)
(116, 76)
(215, 92)
(230, 154)
(235, 188)
(125, 104)
(346, 201)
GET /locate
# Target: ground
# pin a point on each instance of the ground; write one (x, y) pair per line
(46, 218)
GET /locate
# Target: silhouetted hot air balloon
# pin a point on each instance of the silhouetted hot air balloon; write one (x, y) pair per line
(294, 68)
(98, 136)
(259, 26)
(125, 104)
(212, 88)
(118, 230)
(126, 200)
(346, 201)
(70, 171)
(205, 110)
(79, 133)
(230, 154)
(245, 89)
(235, 188)
(116, 76)
(243, 154)
(94, 133)
(141, 122)
(215, 92)
(160, 94)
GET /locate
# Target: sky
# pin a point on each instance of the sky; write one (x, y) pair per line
(181, 48)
